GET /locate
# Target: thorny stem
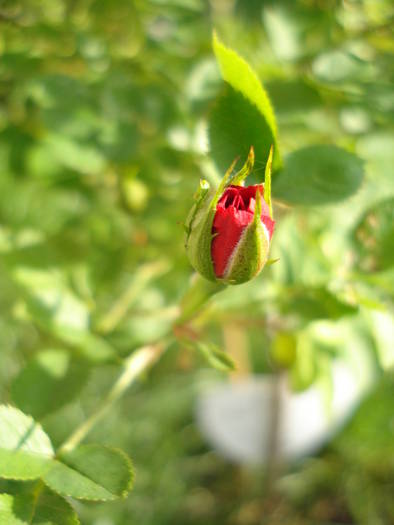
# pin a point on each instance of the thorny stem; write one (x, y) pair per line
(137, 363)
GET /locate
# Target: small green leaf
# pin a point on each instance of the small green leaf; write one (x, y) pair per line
(319, 174)
(28, 509)
(243, 115)
(25, 450)
(49, 381)
(91, 472)
(216, 358)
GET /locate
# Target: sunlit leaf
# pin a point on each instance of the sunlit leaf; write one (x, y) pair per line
(31, 509)
(243, 115)
(25, 450)
(91, 472)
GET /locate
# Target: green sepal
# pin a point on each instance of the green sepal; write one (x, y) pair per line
(199, 197)
(251, 252)
(199, 225)
(271, 261)
(225, 182)
(199, 231)
(267, 180)
(239, 178)
(201, 191)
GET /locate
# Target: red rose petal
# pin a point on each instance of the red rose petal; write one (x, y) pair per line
(228, 225)
(234, 212)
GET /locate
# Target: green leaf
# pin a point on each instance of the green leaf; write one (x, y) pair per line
(22, 465)
(27, 509)
(318, 174)
(216, 358)
(25, 450)
(49, 381)
(311, 303)
(293, 97)
(243, 115)
(56, 309)
(91, 472)
(238, 73)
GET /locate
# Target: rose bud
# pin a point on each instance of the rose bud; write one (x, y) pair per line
(228, 232)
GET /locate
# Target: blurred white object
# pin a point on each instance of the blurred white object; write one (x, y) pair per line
(236, 417)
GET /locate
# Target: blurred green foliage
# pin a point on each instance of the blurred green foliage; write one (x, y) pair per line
(110, 112)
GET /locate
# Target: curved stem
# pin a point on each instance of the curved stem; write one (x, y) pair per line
(194, 299)
(134, 365)
(118, 311)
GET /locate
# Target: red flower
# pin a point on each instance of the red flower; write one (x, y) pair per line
(229, 229)
(234, 212)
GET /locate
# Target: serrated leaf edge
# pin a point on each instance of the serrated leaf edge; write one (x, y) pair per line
(124, 493)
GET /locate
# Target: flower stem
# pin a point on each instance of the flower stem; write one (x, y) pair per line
(119, 310)
(194, 300)
(138, 362)
(196, 297)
